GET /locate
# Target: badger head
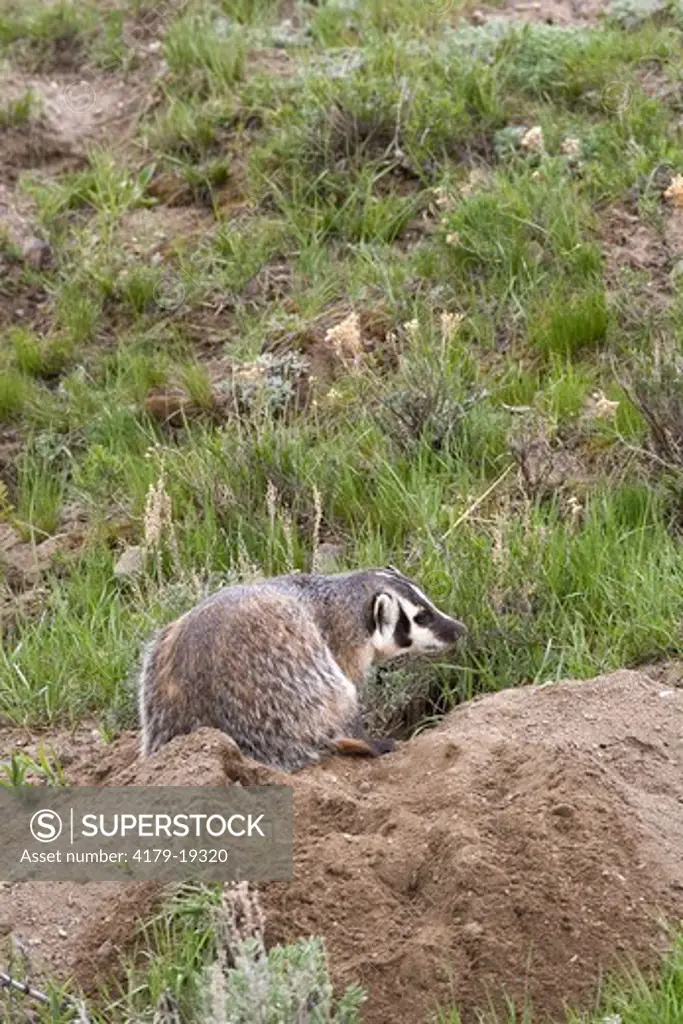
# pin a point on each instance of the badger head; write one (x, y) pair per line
(404, 621)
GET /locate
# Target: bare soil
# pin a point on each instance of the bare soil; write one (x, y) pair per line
(529, 844)
(553, 12)
(633, 247)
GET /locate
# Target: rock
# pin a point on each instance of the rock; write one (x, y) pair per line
(171, 407)
(131, 562)
(17, 558)
(24, 562)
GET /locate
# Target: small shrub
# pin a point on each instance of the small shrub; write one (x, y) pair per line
(283, 985)
(659, 399)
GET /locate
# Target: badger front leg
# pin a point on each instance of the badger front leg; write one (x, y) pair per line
(359, 744)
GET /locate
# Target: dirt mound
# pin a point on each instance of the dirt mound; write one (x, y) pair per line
(527, 845)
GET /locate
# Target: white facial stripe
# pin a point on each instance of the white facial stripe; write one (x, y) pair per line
(416, 590)
(423, 597)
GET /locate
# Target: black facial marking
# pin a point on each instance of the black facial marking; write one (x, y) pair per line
(370, 617)
(424, 617)
(402, 631)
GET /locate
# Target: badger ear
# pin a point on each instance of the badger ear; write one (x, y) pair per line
(385, 613)
(392, 568)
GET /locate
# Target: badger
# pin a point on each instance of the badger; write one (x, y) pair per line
(278, 664)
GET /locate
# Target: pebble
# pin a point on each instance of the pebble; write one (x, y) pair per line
(130, 563)
(36, 252)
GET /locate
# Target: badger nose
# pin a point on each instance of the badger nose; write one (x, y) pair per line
(459, 629)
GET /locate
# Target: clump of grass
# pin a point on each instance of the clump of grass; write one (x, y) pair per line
(516, 236)
(198, 385)
(9, 250)
(205, 960)
(629, 999)
(249, 12)
(205, 178)
(106, 186)
(658, 396)
(564, 394)
(567, 325)
(45, 358)
(13, 394)
(15, 113)
(46, 37)
(187, 129)
(21, 768)
(139, 287)
(206, 56)
(435, 390)
(112, 49)
(41, 486)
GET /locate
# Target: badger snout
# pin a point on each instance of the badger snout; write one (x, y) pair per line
(449, 631)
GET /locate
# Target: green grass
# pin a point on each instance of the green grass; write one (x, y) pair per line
(205, 56)
(12, 395)
(15, 113)
(44, 37)
(396, 178)
(515, 252)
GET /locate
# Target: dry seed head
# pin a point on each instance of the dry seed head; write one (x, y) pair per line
(240, 918)
(575, 511)
(288, 530)
(158, 513)
(444, 199)
(346, 341)
(571, 147)
(271, 501)
(411, 327)
(675, 190)
(533, 140)
(477, 178)
(499, 558)
(317, 521)
(449, 325)
(602, 408)
(218, 991)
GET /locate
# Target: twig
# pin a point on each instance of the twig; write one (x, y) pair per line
(394, 146)
(7, 981)
(661, 436)
(482, 497)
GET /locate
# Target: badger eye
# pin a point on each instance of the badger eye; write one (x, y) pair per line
(423, 618)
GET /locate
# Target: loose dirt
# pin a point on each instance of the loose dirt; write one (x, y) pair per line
(529, 844)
